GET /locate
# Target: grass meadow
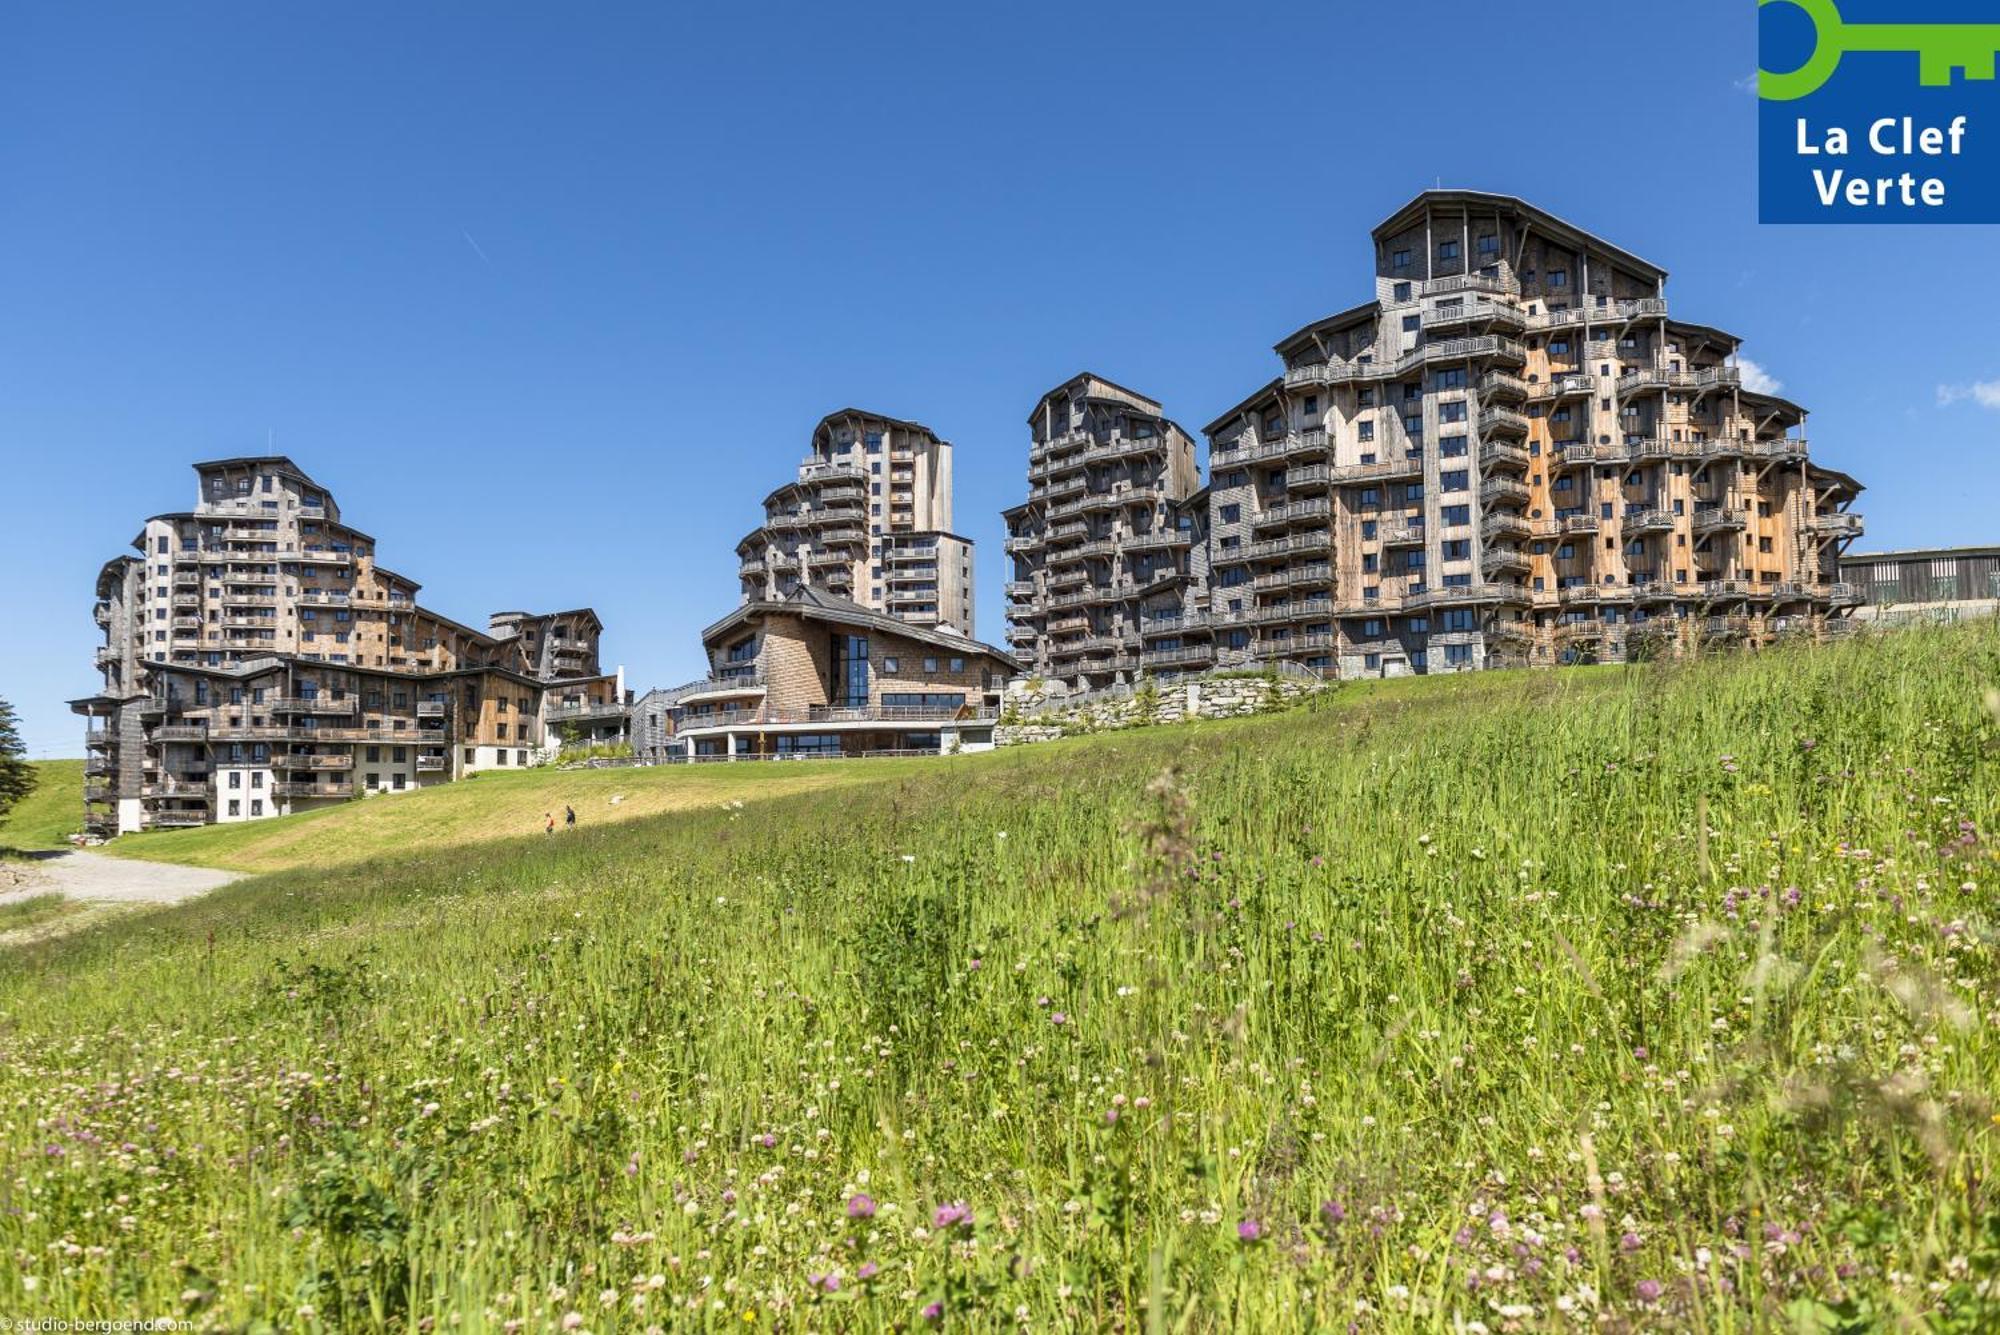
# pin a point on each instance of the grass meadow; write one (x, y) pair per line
(49, 814)
(1647, 998)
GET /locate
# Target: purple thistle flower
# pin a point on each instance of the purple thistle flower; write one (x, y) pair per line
(1333, 1212)
(951, 1216)
(1058, 1018)
(934, 1312)
(861, 1206)
(1249, 1230)
(1630, 1243)
(1648, 1290)
(867, 1271)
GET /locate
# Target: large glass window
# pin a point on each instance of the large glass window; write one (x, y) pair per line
(850, 668)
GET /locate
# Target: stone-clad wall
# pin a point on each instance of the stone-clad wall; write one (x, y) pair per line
(1037, 715)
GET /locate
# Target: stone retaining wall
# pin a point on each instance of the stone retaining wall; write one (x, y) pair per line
(1040, 714)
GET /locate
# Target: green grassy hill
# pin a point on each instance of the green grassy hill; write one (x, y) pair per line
(1650, 998)
(51, 813)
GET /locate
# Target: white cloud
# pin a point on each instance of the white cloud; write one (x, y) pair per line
(1985, 393)
(1756, 379)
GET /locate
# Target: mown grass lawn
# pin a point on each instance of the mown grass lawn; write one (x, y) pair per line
(46, 817)
(1649, 998)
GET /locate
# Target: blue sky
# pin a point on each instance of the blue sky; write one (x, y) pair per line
(510, 278)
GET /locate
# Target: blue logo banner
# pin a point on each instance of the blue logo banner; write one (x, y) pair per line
(1874, 111)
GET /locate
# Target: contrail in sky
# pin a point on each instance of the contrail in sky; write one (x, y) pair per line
(474, 244)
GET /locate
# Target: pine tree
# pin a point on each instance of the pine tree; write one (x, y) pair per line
(17, 776)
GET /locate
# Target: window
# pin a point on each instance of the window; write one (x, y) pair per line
(1447, 250)
(256, 806)
(957, 664)
(892, 664)
(1364, 430)
(1558, 278)
(851, 669)
(1453, 480)
(1399, 259)
(1367, 530)
(1401, 292)
(1455, 514)
(930, 666)
(1452, 412)
(1231, 513)
(1451, 447)
(235, 807)
(1412, 323)
(1489, 244)
(1451, 378)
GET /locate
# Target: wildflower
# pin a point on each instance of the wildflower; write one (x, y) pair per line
(1059, 1018)
(950, 1216)
(1648, 1290)
(1249, 1230)
(1630, 1242)
(861, 1206)
(867, 1271)
(1333, 1212)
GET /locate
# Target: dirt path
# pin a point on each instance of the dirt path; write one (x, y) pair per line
(96, 879)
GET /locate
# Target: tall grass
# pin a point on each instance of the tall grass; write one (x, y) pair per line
(48, 815)
(1647, 998)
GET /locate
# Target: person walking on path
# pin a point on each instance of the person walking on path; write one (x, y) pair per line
(550, 828)
(569, 817)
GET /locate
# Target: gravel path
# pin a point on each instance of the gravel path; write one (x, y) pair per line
(97, 879)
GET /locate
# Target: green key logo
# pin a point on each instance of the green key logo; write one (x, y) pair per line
(1940, 49)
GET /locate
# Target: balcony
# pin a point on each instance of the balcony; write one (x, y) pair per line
(432, 764)
(1503, 491)
(1611, 312)
(176, 820)
(1563, 387)
(1155, 539)
(1389, 470)
(1502, 385)
(1504, 560)
(1506, 525)
(319, 788)
(1309, 443)
(1840, 525)
(1321, 574)
(1186, 656)
(1297, 512)
(1718, 518)
(331, 761)
(1648, 379)
(1474, 310)
(1502, 421)
(1402, 535)
(1312, 541)
(1581, 522)
(1648, 521)
(576, 710)
(179, 732)
(177, 786)
(1459, 595)
(1307, 477)
(324, 597)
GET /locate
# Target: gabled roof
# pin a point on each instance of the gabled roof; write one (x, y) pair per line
(1145, 402)
(279, 462)
(1541, 219)
(1365, 313)
(1277, 383)
(815, 604)
(839, 413)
